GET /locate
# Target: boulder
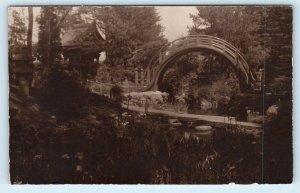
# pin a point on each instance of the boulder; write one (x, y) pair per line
(203, 128)
(174, 122)
(272, 110)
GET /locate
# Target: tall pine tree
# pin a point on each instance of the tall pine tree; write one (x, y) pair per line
(49, 43)
(16, 31)
(278, 34)
(133, 35)
(239, 25)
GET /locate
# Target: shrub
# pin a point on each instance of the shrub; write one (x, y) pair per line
(63, 95)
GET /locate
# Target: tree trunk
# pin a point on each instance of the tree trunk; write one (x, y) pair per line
(46, 61)
(29, 33)
(48, 34)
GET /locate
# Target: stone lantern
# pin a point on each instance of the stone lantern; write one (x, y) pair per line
(21, 69)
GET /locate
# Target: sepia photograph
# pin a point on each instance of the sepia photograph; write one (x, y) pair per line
(150, 94)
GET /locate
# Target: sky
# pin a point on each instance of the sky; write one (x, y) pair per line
(23, 12)
(174, 19)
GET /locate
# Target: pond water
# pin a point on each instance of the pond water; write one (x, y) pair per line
(199, 153)
(137, 149)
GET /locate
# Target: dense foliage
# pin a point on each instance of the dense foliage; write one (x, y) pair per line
(133, 36)
(279, 35)
(201, 76)
(238, 25)
(66, 97)
(263, 34)
(278, 146)
(16, 31)
(47, 21)
(130, 149)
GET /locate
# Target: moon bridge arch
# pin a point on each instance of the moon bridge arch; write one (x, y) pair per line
(167, 54)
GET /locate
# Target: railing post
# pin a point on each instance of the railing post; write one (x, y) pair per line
(136, 78)
(259, 77)
(142, 77)
(148, 76)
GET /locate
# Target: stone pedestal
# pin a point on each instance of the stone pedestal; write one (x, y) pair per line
(24, 86)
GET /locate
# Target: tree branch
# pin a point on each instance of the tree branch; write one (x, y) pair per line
(62, 18)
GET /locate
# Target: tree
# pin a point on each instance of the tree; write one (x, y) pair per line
(239, 25)
(136, 33)
(29, 33)
(49, 46)
(133, 34)
(263, 34)
(278, 33)
(16, 31)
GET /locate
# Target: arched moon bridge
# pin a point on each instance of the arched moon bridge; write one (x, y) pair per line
(168, 54)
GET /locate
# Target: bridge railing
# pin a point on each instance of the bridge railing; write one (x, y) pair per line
(205, 40)
(193, 40)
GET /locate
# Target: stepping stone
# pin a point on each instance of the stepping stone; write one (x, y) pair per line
(203, 128)
(174, 122)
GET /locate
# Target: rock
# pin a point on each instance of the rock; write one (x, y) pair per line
(172, 128)
(203, 128)
(61, 128)
(92, 118)
(272, 110)
(38, 156)
(174, 122)
(65, 156)
(113, 115)
(78, 168)
(125, 114)
(79, 155)
(186, 135)
(52, 119)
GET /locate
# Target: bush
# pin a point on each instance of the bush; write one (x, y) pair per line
(278, 146)
(63, 95)
(115, 93)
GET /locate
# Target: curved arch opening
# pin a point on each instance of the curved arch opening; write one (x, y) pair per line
(202, 78)
(241, 75)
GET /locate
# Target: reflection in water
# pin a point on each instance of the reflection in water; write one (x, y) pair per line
(195, 152)
(197, 135)
(188, 133)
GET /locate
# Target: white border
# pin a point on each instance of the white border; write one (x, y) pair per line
(4, 170)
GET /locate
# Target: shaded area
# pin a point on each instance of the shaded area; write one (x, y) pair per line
(90, 152)
(107, 145)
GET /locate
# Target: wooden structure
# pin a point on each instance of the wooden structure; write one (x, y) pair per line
(166, 56)
(82, 43)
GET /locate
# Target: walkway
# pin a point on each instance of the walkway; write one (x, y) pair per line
(209, 118)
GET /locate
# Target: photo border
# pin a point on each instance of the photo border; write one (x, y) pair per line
(4, 136)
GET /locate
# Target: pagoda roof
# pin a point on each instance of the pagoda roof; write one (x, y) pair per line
(85, 37)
